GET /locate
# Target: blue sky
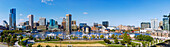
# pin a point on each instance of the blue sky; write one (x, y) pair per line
(125, 12)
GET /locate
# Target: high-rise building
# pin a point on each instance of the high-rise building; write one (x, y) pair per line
(145, 25)
(95, 24)
(42, 21)
(64, 24)
(12, 19)
(52, 22)
(165, 23)
(68, 24)
(31, 21)
(73, 22)
(154, 24)
(105, 23)
(56, 23)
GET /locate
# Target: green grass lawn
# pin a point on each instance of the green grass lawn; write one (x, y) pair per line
(101, 42)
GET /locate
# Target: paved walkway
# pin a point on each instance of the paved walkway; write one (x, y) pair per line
(2, 45)
(17, 45)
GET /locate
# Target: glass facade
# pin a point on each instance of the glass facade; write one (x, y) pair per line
(165, 23)
(42, 21)
(105, 23)
(52, 22)
(12, 19)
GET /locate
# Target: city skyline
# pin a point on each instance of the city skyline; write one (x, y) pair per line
(116, 12)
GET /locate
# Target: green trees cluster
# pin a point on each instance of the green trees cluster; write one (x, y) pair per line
(8, 37)
(126, 38)
(144, 38)
(107, 41)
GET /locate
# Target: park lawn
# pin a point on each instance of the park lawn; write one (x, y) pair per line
(115, 45)
(24, 39)
(101, 42)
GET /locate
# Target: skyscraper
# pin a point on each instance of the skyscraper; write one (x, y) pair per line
(105, 23)
(64, 24)
(52, 22)
(12, 19)
(165, 23)
(145, 25)
(68, 24)
(31, 21)
(42, 21)
(154, 24)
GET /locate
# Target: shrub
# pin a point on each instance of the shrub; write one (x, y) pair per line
(107, 41)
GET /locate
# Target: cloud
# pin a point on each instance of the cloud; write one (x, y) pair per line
(21, 20)
(20, 14)
(49, 2)
(85, 13)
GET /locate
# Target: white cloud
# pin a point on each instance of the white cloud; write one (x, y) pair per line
(85, 13)
(49, 2)
(21, 20)
(20, 14)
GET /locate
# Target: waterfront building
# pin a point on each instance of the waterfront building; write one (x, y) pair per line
(74, 27)
(154, 24)
(41, 27)
(42, 21)
(68, 24)
(27, 23)
(105, 23)
(161, 25)
(64, 24)
(95, 24)
(52, 25)
(86, 29)
(36, 24)
(12, 19)
(145, 25)
(166, 24)
(52, 22)
(82, 25)
(31, 21)
(73, 22)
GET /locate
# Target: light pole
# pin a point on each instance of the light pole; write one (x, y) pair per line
(168, 16)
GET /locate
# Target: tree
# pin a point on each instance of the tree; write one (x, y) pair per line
(107, 41)
(48, 46)
(30, 45)
(40, 38)
(122, 42)
(148, 44)
(113, 36)
(84, 37)
(31, 37)
(101, 36)
(126, 38)
(156, 40)
(116, 40)
(39, 45)
(97, 37)
(93, 36)
(143, 43)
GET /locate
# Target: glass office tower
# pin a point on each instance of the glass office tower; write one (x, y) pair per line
(12, 19)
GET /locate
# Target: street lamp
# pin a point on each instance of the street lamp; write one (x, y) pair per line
(168, 16)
